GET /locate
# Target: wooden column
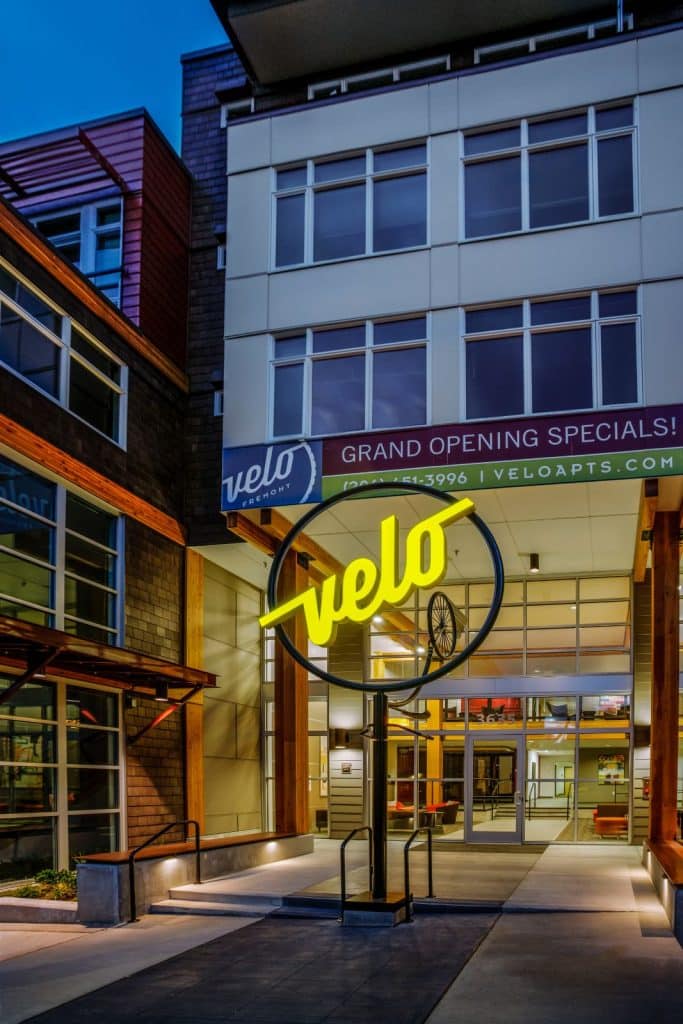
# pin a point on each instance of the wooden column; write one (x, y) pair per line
(434, 753)
(194, 712)
(664, 737)
(291, 714)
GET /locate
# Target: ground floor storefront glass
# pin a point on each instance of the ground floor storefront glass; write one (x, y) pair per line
(513, 769)
(60, 792)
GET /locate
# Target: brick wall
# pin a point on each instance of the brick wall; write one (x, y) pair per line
(155, 773)
(204, 153)
(153, 593)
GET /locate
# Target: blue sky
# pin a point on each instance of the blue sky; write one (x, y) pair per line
(76, 60)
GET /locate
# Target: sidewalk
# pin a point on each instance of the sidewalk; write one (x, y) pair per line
(611, 956)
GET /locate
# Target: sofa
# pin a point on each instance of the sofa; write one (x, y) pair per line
(610, 819)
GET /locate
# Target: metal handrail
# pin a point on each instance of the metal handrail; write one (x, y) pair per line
(406, 867)
(531, 799)
(342, 857)
(133, 854)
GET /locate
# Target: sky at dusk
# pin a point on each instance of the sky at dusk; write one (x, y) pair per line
(66, 62)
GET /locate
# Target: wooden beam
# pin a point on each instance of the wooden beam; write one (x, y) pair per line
(664, 733)
(47, 257)
(247, 530)
(646, 518)
(36, 448)
(291, 717)
(194, 712)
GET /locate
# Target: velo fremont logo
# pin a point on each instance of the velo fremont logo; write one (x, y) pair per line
(275, 474)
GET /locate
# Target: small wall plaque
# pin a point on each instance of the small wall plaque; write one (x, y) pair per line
(346, 767)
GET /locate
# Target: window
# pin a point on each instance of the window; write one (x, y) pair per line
(563, 169)
(550, 40)
(378, 79)
(59, 764)
(374, 201)
(59, 557)
(90, 238)
(50, 351)
(359, 377)
(552, 355)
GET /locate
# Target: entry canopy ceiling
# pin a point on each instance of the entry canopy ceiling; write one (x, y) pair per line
(581, 528)
(286, 39)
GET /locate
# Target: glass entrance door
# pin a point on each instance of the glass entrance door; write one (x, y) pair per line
(495, 808)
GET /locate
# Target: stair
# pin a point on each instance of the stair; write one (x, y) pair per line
(196, 899)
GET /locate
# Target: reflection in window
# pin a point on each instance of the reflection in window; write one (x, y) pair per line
(375, 201)
(55, 355)
(565, 357)
(569, 169)
(351, 378)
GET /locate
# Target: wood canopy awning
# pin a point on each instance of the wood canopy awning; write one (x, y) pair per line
(33, 651)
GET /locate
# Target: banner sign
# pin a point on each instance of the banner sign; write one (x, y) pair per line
(574, 448)
(272, 474)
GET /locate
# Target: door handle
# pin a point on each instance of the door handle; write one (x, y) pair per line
(518, 798)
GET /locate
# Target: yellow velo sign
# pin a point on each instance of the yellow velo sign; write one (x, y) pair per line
(363, 587)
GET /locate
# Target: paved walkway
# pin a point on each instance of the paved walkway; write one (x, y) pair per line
(611, 957)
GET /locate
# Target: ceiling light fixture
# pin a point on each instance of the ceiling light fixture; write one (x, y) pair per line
(533, 562)
(161, 693)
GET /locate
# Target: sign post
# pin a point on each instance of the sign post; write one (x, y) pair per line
(356, 595)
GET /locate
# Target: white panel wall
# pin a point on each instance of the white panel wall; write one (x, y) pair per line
(248, 239)
(661, 149)
(452, 273)
(550, 261)
(334, 128)
(353, 288)
(662, 306)
(245, 406)
(557, 83)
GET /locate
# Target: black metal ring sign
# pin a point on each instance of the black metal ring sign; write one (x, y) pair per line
(393, 685)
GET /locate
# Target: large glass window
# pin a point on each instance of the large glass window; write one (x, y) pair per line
(50, 351)
(556, 170)
(374, 201)
(58, 557)
(552, 355)
(341, 379)
(90, 238)
(56, 806)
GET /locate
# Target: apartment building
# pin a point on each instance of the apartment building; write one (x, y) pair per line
(452, 248)
(99, 712)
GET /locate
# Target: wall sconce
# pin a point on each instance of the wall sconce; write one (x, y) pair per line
(533, 562)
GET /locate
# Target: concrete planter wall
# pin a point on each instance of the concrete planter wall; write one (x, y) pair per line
(104, 889)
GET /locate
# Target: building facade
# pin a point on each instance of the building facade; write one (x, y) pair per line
(456, 260)
(96, 719)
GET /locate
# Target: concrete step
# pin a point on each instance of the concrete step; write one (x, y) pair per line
(207, 894)
(211, 908)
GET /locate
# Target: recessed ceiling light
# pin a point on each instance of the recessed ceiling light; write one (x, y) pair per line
(377, 619)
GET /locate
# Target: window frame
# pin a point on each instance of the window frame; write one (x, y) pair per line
(89, 231)
(310, 188)
(56, 565)
(66, 354)
(591, 138)
(527, 330)
(368, 348)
